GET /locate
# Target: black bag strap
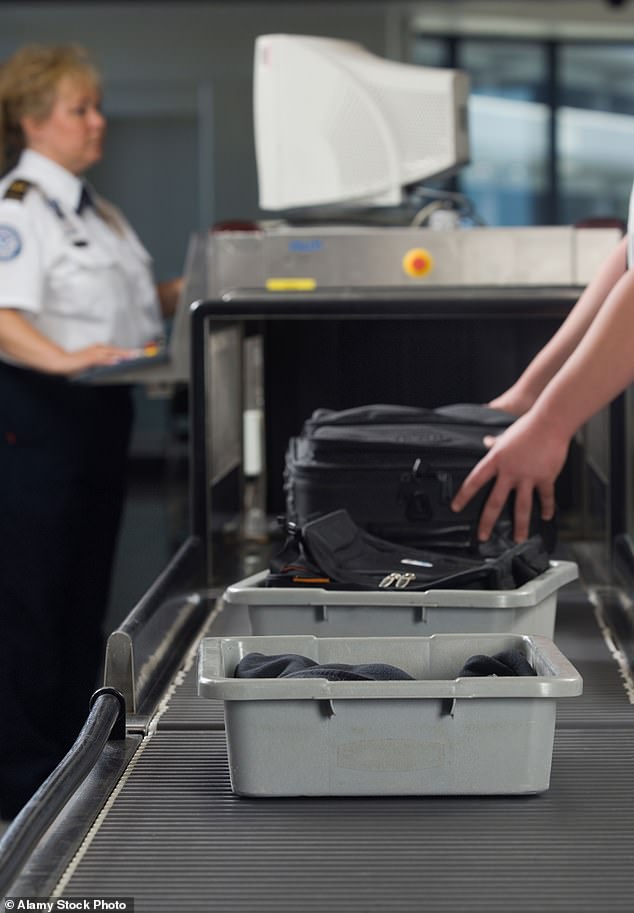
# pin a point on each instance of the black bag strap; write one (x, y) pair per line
(332, 552)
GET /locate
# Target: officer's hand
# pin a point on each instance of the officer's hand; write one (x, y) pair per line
(526, 458)
(91, 357)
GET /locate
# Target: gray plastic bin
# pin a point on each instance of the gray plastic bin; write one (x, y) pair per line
(436, 735)
(530, 609)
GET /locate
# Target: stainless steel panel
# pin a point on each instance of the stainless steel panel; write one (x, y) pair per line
(591, 248)
(368, 257)
(235, 261)
(224, 378)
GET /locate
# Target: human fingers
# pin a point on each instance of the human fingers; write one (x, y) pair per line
(489, 440)
(107, 354)
(522, 511)
(92, 356)
(493, 508)
(546, 491)
(479, 476)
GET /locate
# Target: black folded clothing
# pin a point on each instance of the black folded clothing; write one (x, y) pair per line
(334, 553)
(292, 665)
(507, 662)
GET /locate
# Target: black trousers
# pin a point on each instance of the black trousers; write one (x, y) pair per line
(63, 454)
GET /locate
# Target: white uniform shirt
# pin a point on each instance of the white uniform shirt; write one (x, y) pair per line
(76, 278)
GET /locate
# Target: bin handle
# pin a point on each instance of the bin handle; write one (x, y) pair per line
(210, 658)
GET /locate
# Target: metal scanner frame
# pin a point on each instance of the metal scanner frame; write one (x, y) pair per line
(240, 307)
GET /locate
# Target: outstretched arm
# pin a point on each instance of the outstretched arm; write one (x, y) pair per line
(530, 454)
(27, 346)
(519, 398)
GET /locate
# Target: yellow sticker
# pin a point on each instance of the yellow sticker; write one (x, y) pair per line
(418, 262)
(291, 284)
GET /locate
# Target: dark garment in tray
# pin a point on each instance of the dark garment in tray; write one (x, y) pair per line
(293, 665)
(507, 662)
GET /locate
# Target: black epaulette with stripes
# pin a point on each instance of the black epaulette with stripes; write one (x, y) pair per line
(17, 189)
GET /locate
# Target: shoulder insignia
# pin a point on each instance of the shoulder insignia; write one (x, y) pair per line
(17, 189)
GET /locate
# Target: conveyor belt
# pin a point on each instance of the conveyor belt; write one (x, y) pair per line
(604, 701)
(185, 710)
(176, 838)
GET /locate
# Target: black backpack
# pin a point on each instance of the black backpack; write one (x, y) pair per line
(396, 469)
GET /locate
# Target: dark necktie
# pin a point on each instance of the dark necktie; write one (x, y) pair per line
(85, 200)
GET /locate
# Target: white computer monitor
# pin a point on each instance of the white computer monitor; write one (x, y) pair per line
(338, 126)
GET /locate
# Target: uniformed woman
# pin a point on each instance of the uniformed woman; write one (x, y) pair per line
(76, 291)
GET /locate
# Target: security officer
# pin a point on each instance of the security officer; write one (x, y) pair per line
(76, 291)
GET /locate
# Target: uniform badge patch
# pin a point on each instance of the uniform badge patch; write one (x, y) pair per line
(10, 242)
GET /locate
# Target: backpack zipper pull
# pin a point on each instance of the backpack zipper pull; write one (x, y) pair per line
(388, 580)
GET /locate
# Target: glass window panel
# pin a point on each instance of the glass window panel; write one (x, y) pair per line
(430, 52)
(507, 179)
(595, 164)
(597, 76)
(505, 69)
(595, 131)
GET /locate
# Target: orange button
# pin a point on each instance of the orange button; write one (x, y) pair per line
(418, 262)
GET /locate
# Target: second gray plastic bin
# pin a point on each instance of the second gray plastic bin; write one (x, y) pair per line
(438, 734)
(530, 609)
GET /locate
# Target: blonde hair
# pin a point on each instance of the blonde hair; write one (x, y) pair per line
(28, 84)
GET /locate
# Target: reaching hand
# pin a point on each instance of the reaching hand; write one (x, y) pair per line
(526, 458)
